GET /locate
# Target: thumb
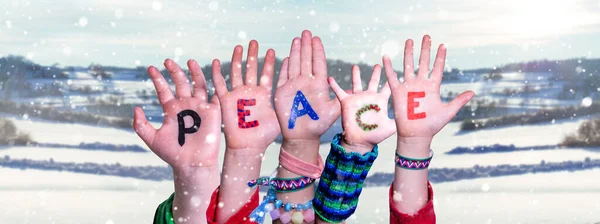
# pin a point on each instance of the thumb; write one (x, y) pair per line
(454, 106)
(142, 127)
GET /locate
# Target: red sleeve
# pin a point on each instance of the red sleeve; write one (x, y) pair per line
(424, 216)
(240, 217)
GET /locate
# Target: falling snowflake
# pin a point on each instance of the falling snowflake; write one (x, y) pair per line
(391, 48)
(586, 102)
(334, 27)
(83, 21)
(119, 13)
(156, 6)
(242, 35)
(213, 5)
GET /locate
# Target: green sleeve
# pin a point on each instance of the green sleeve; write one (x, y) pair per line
(163, 214)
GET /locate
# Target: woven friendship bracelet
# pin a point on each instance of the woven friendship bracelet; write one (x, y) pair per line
(337, 193)
(300, 167)
(413, 163)
(283, 184)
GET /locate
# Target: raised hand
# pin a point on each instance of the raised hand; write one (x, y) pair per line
(248, 115)
(193, 142)
(418, 109)
(250, 126)
(304, 108)
(364, 113)
(188, 139)
(420, 114)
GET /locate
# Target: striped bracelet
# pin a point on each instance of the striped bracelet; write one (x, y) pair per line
(413, 163)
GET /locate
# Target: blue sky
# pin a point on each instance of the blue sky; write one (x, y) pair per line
(135, 32)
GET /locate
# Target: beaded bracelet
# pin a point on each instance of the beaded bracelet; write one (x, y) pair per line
(283, 184)
(271, 205)
(341, 183)
(413, 163)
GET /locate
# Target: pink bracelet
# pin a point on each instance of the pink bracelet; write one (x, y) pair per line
(300, 167)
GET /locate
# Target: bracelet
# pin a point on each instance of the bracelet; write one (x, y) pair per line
(413, 163)
(300, 167)
(271, 205)
(341, 183)
(282, 184)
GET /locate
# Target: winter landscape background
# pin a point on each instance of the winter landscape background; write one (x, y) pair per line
(525, 150)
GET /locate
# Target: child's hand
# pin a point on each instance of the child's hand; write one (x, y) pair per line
(248, 115)
(302, 102)
(418, 110)
(364, 113)
(193, 143)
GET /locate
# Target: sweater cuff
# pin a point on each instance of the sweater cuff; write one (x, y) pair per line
(241, 216)
(341, 182)
(424, 215)
(164, 214)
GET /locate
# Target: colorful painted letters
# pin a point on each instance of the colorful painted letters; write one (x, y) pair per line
(243, 113)
(365, 126)
(412, 104)
(182, 129)
(306, 109)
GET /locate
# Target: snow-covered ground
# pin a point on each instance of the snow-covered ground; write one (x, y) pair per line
(36, 196)
(33, 196)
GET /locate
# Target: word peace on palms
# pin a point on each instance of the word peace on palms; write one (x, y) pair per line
(303, 77)
(201, 148)
(248, 115)
(418, 108)
(360, 127)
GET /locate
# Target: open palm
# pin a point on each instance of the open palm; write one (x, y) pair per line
(418, 108)
(364, 113)
(248, 115)
(201, 143)
(303, 77)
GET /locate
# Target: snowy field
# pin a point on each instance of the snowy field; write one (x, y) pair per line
(34, 196)
(55, 197)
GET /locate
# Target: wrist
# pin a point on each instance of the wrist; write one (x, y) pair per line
(306, 150)
(417, 147)
(355, 146)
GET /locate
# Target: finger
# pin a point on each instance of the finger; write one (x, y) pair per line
(374, 83)
(356, 82)
(409, 71)
(438, 66)
(458, 102)
(390, 74)
(215, 101)
(142, 127)
(182, 84)
(218, 80)
(386, 91)
(163, 91)
(236, 67)
(339, 92)
(424, 58)
(252, 63)
(319, 62)
(306, 53)
(266, 78)
(283, 74)
(198, 80)
(294, 66)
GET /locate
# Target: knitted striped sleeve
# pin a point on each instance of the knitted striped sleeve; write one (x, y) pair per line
(341, 182)
(163, 214)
